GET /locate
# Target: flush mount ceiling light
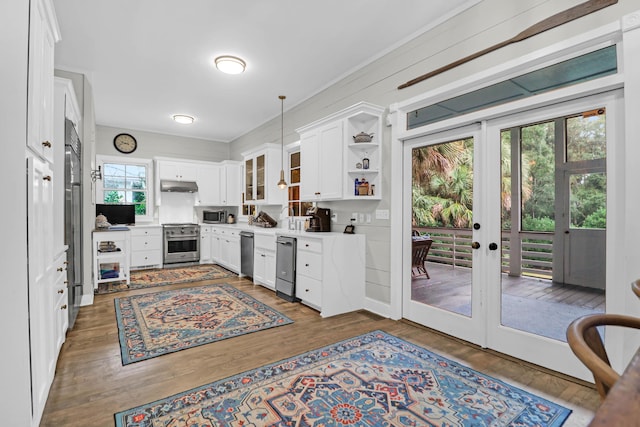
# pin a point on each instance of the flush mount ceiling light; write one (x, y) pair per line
(183, 119)
(230, 64)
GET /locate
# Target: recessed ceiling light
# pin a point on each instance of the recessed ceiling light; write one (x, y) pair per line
(230, 64)
(183, 119)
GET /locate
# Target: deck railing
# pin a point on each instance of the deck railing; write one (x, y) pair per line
(532, 255)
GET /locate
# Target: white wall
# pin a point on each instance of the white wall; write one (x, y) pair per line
(152, 145)
(485, 24)
(15, 392)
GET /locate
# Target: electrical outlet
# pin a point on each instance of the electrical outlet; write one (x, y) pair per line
(334, 217)
(354, 217)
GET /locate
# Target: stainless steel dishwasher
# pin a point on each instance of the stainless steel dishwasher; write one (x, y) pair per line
(286, 268)
(246, 253)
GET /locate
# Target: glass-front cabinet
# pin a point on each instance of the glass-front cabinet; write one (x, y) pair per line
(261, 174)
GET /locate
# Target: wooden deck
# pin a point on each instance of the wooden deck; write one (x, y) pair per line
(449, 288)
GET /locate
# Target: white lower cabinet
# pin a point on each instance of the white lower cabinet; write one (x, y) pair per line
(264, 260)
(226, 247)
(206, 237)
(330, 272)
(146, 246)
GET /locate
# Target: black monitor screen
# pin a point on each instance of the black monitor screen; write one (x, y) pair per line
(118, 214)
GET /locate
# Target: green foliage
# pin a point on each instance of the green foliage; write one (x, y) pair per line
(597, 219)
(538, 224)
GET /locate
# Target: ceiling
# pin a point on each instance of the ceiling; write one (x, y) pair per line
(150, 59)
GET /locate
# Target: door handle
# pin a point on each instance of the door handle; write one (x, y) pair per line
(475, 245)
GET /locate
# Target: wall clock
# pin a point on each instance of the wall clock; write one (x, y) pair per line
(125, 143)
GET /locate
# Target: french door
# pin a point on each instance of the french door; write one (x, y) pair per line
(469, 191)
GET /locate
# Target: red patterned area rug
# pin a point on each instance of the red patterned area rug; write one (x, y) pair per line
(373, 380)
(158, 323)
(141, 279)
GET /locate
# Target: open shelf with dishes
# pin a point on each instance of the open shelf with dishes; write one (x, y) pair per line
(362, 155)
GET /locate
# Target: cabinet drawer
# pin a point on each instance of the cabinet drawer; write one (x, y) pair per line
(146, 231)
(140, 258)
(146, 243)
(264, 241)
(309, 291)
(313, 245)
(309, 264)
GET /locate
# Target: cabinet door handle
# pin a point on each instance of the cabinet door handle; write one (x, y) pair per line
(306, 265)
(47, 177)
(317, 193)
(61, 291)
(46, 144)
(64, 307)
(59, 269)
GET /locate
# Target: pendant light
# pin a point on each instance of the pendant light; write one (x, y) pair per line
(282, 184)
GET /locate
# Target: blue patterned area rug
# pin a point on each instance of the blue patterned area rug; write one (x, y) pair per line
(158, 323)
(373, 380)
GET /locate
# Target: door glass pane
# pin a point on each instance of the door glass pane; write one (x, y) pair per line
(588, 200)
(442, 195)
(537, 295)
(586, 139)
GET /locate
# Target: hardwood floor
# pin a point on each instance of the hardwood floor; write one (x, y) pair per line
(91, 384)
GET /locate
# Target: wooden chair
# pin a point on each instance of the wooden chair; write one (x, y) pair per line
(585, 341)
(420, 250)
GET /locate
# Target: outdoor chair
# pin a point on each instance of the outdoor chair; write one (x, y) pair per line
(419, 251)
(635, 286)
(585, 341)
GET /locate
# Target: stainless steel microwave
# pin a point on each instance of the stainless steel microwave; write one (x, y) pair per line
(214, 217)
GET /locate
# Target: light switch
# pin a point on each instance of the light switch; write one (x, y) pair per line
(368, 218)
(361, 218)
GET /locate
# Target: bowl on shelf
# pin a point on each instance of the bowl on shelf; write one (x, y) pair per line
(363, 137)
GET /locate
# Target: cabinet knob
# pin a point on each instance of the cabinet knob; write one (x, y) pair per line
(47, 177)
(61, 291)
(64, 307)
(46, 144)
(317, 193)
(65, 262)
(306, 290)
(306, 245)
(66, 282)
(306, 265)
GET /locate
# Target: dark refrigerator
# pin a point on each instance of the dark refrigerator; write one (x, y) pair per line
(73, 218)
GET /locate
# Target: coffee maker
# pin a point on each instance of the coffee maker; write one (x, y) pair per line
(320, 219)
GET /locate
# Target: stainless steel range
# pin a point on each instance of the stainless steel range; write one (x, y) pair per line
(181, 243)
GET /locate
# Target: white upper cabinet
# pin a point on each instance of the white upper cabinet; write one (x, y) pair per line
(335, 165)
(210, 185)
(43, 35)
(232, 178)
(321, 163)
(176, 171)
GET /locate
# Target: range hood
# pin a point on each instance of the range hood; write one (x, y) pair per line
(178, 186)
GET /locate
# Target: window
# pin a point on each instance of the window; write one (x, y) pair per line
(296, 207)
(126, 181)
